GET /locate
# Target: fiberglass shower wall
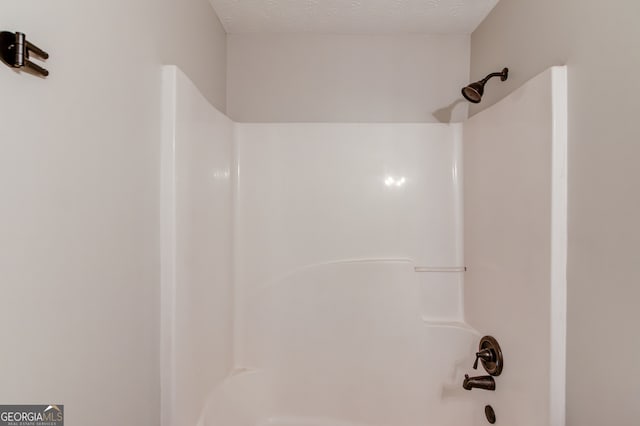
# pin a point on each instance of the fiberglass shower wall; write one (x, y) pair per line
(331, 221)
(515, 158)
(196, 218)
(312, 196)
(333, 224)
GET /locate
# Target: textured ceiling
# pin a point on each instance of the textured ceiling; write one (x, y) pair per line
(352, 16)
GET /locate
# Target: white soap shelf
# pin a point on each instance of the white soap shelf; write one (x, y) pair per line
(440, 269)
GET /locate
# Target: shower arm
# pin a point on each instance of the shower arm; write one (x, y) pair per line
(502, 75)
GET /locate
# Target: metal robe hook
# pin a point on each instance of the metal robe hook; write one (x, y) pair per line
(15, 51)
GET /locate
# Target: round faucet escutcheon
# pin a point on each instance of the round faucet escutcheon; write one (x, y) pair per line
(490, 355)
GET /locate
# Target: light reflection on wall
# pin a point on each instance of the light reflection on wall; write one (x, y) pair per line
(221, 174)
(391, 181)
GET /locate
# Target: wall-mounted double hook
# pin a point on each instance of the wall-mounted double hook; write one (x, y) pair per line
(15, 51)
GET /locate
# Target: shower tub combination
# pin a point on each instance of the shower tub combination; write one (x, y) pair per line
(313, 273)
(379, 364)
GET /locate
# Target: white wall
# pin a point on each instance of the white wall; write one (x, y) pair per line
(197, 288)
(599, 43)
(515, 245)
(347, 78)
(79, 178)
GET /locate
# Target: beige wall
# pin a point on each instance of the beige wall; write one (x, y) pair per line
(347, 78)
(79, 222)
(599, 43)
(191, 36)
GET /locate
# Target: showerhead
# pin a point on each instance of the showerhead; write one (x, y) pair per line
(474, 91)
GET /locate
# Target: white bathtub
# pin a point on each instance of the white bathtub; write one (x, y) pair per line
(408, 395)
(346, 344)
(305, 421)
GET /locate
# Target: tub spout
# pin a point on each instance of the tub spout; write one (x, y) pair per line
(480, 382)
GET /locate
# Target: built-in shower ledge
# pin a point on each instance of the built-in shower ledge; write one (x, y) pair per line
(440, 269)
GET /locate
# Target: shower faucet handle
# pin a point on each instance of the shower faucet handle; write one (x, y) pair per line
(490, 353)
(487, 355)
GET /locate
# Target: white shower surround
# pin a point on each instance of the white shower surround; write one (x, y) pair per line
(332, 324)
(196, 270)
(516, 244)
(313, 195)
(331, 221)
